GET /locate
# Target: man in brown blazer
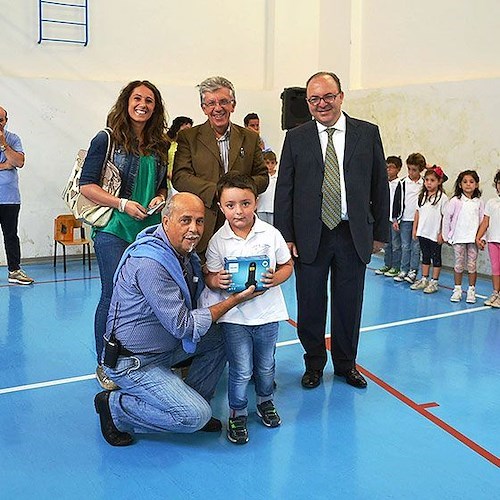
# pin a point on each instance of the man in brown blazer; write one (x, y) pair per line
(206, 152)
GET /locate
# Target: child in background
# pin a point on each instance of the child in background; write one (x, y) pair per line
(463, 216)
(265, 202)
(491, 223)
(428, 226)
(250, 331)
(392, 249)
(405, 205)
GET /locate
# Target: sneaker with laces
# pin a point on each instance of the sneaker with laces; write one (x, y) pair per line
(393, 271)
(104, 381)
(496, 302)
(456, 296)
(382, 270)
(471, 295)
(420, 284)
(432, 287)
(411, 277)
(237, 430)
(268, 414)
(400, 276)
(20, 277)
(489, 301)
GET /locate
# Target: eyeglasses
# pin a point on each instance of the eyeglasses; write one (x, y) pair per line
(223, 103)
(328, 98)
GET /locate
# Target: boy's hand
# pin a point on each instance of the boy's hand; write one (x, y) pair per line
(223, 279)
(269, 278)
(395, 226)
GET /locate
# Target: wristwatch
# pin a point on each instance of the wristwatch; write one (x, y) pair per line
(3, 148)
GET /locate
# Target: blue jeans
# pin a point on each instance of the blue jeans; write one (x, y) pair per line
(153, 399)
(250, 349)
(410, 248)
(108, 251)
(392, 249)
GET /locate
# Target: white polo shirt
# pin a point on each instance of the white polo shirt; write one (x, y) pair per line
(263, 239)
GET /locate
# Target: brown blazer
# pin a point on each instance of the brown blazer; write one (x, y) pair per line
(198, 166)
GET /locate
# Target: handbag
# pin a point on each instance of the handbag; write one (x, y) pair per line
(81, 207)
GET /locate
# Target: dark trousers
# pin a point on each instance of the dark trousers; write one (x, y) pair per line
(337, 257)
(9, 217)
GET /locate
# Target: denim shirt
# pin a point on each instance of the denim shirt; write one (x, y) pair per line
(127, 164)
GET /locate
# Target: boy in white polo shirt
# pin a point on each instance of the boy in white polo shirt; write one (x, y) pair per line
(250, 330)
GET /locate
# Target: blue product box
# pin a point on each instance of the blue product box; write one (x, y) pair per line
(246, 271)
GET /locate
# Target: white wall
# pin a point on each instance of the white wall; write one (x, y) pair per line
(426, 72)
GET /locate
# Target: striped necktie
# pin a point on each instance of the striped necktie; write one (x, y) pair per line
(331, 212)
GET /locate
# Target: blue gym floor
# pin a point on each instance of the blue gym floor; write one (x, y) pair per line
(427, 426)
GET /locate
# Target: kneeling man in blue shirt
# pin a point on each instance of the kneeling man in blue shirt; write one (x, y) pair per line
(153, 324)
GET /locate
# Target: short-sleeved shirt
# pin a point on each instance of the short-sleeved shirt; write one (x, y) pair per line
(412, 190)
(9, 179)
(263, 239)
(430, 217)
(467, 220)
(492, 210)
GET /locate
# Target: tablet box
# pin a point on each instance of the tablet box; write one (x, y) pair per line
(246, 271)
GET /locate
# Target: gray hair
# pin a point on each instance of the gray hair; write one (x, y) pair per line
(215, 83)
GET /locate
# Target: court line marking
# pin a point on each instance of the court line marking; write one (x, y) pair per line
(422, 409)
(51, 383)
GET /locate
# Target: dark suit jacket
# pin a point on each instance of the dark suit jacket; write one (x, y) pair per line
(297, 206)
(198, 166)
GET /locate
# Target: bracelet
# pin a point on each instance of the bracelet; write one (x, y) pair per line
(121, 205)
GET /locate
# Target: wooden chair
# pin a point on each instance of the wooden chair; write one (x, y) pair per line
(64, 234)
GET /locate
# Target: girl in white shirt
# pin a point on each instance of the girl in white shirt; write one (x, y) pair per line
(427, 227)
(460, 224)
(491, 223)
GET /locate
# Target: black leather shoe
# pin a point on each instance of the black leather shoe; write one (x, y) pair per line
(311, 378)
(353, 377)
(109, 431)
(213, 425)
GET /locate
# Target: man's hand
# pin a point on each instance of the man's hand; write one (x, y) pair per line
(293, 249)
(247, 294)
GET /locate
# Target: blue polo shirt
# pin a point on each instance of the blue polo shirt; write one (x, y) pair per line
(9, 179)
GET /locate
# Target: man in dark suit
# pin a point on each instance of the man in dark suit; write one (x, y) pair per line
(332, 206)
(206, 152)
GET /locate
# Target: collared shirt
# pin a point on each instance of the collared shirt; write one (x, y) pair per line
(339, 145)
(152, 315)
(223, 143)
(263, 239)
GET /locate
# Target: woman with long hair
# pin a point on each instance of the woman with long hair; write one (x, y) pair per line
(138, 124)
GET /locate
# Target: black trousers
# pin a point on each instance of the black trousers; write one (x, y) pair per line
(338, 258)
(9, 217)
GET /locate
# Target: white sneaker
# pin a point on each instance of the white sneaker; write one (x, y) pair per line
(456, 296)
(400, 277)
(411, 276)
(489, 301)
(496, 302)
(432, 287)
(471, 295)
(421, 284)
